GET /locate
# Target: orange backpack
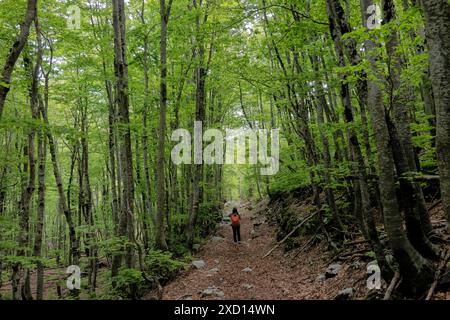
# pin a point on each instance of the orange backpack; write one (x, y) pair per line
(235, 219)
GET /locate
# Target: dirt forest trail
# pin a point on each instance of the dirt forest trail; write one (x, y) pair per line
(239, 271)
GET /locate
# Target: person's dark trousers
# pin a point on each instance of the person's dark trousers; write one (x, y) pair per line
(236, 233)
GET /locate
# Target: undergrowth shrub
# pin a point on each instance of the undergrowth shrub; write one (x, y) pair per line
(162, 267)
(209, 216)
(130, 284)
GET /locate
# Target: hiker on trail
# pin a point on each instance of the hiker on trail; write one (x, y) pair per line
(236, 225)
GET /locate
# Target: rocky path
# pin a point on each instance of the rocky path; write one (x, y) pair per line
(224, 270)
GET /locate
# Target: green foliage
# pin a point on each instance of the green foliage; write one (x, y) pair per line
(5, 296)
(162, 266)
(179, 249)
(208, 217)
(114, 245)
(423, 140)
(129, 284)
(25, 262)
(289, 181)
(8, 244)
(260, 74)
(327, 214)
(371, 254)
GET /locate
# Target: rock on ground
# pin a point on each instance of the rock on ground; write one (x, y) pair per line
(333, 270)
(213, 291)
(247, 286)
(345, 294)
(321, 277)
(213, 270)
(199, 264)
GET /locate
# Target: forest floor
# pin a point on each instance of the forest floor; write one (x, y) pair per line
(239, 271)
(291, 275)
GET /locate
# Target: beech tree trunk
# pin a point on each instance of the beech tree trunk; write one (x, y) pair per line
(14, 52)
(437, 24)
(417, 272)
(125, 229)
(160, 237)
(42, 157)
(200, 115)
(147, 190)
(37, 251)
(74, 248)
(339, 26)
(398, 121)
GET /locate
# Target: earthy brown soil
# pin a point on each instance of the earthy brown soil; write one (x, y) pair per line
(278, 276)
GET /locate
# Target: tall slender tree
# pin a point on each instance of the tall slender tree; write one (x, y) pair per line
(125, 229)
(437, 24)
(160, 237)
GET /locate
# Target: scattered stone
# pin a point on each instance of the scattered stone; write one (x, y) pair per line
(199, 264)
(216, 261)
(345, 294)
(247, 286)
(321, 277)
(196, 247)
(207, 292)
(254, 234)
(213, 271)
(247, 269)
(212, 291)
(333, 270)
(217, 239)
